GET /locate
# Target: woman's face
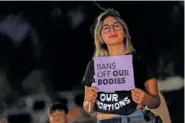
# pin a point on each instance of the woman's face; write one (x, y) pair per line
(112, 31)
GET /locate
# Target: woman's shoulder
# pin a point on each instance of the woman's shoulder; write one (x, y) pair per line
(144, 63)
(90, 64)
(137, 56)
(140, 61)
(89, 74)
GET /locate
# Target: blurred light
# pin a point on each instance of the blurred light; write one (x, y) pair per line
(171, 83)
(33, 82)
(29, 102)
(56, 12)
(175, 13)
(14, 27)
(77, 17)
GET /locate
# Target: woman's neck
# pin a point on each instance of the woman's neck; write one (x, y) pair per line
(117, 50)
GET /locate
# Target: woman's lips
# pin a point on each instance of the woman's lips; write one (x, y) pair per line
(113, 36)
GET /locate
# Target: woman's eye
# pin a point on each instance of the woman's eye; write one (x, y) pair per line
(105, 28)
(117, 25)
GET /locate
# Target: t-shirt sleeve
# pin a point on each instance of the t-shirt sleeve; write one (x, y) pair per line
(149, 71)
(88, 78)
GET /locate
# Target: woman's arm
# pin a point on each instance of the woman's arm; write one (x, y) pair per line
(89, 103)
(89, 108)
(152, 99)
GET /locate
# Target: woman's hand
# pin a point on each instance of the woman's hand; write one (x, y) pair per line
(138, 97)
(90, 94)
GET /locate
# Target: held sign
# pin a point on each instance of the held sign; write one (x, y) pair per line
(114, 73)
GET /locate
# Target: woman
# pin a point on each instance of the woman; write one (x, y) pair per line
(112, 39)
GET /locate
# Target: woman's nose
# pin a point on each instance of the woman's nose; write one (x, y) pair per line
(111, 29)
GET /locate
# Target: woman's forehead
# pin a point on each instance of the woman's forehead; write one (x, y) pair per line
(110, 20)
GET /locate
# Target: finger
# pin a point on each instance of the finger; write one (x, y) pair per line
(91, 94)
(94, 95)
(90, 98)
(93, 101)
(94, 88)
(135, 94)
(135, 100)
(135, 97)
(88, 94)
(91, 89)
(137, 90)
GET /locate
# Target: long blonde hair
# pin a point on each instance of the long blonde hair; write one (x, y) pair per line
(100, 47)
